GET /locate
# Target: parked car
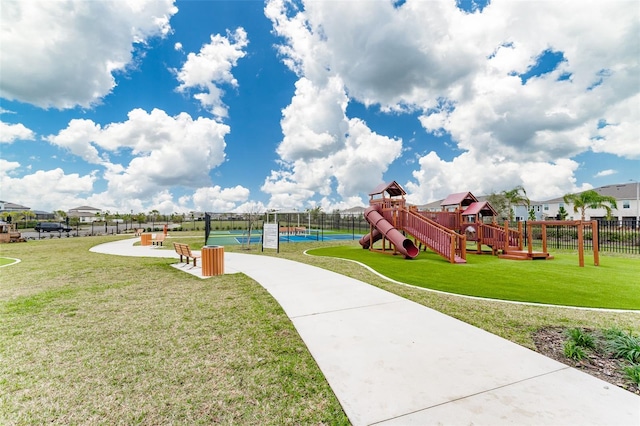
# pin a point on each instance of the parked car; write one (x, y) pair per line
(51, 227)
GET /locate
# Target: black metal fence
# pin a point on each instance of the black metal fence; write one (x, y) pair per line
(613, 236)
(316, 223)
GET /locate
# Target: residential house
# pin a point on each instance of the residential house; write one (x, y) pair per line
(627, 197)
(352, 212)
(86, 214)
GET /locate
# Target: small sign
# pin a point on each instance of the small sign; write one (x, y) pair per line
(271, 236)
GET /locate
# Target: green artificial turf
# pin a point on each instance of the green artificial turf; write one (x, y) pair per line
(615, 284)
(6, 261)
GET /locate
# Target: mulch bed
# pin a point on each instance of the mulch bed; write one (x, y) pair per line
(599, 363)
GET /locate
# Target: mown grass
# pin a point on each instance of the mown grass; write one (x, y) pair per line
(614, 284)
(87, 338)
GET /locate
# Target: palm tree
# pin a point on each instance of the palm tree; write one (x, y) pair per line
(27, 215)
(154, 215)
(592, 200)
(61, 215)
(514, 198)
(106, 216)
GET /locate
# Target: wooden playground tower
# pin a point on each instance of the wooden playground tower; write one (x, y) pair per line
(462, 218)
(390, 220)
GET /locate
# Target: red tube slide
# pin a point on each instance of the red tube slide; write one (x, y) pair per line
(382, 227)
(369, 239)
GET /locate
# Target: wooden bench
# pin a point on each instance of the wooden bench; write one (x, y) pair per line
(184, 250)
(138, 232)
(158, 240)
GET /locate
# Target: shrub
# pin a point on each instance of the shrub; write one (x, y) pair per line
(573, 351)
(612, 333)
(633, 373)
(626, 346)
(581, 338)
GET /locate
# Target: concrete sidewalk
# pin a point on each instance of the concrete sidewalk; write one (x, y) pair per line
(391, 361)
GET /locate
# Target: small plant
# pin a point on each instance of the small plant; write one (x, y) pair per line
(582, 339)
(573, 350)
(633, 373)
(626, 346)
(612, 333)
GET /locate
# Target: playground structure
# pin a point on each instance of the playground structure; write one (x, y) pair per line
(462, 218)
(8, 233)
(389, 217)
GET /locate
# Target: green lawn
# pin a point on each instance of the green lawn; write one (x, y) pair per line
(88, 338)
(614, 284)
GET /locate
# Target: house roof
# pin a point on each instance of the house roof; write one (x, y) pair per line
(624, 191)
(458, 198)
(84, 208)
(14, 206)
(391, 188)
(480, 207)
(354, 210)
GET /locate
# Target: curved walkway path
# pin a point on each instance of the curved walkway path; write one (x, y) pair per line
(391, 361)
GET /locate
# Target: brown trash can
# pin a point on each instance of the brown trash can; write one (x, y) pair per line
(145, 239)
(212, 260)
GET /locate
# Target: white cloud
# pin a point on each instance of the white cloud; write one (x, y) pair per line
(217, 199)
(621, 133)
(13, 132)
(45, 189)
(461, 72)
(314, 124)
(79, 138)
(607, 172)
(178, 46)
(7, 167)
(59, 54)
(211, 67)
(167, 151)
(322, 147)
(483, 174)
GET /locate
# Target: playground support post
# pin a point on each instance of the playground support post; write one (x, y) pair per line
(580, 224)
(581, 245)
(506, 236)
(521, 240)
(595, 243)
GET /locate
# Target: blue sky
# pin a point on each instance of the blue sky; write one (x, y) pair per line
(250, 105)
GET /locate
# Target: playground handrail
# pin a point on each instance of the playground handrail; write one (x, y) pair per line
(450, 220)
(494, 236)
(442, 240)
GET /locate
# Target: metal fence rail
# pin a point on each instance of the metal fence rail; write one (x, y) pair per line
(613, 236)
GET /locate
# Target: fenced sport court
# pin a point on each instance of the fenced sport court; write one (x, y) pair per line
(312, 235)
